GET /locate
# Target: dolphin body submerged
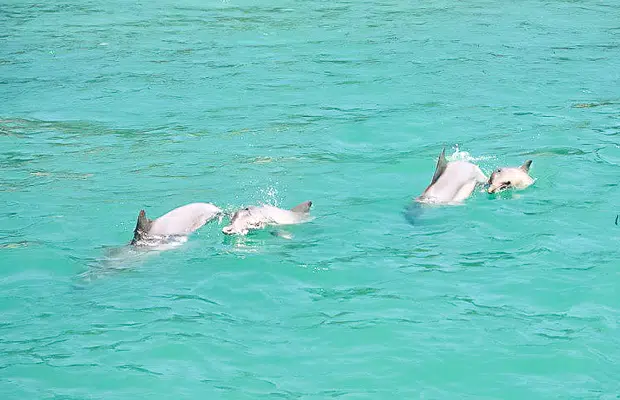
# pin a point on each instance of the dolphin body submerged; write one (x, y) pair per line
(167, 232)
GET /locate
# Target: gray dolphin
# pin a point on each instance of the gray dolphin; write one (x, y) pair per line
(510, 177)
(151, 236)
(174, 226)
(258, 217)
(452, 182)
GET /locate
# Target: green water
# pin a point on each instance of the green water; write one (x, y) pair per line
(110, 107)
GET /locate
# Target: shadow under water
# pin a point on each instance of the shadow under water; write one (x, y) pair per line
(114, 260)
(118, 259)
(413, 212)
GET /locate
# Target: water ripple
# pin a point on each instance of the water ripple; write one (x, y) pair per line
(109, 108)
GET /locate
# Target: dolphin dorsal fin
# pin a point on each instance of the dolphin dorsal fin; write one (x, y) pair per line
(303, 207)
(526, 166)
(143, 224)
(142, 227)
(441, 166)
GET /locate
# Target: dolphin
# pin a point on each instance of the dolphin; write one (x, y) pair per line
(151, 236)
(452, 182)
(173, 226)
(510, 177)
(258, 217)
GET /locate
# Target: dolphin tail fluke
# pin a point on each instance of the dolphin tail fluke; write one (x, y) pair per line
(303, 207)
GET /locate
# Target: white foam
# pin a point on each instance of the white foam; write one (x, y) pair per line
(459, 155)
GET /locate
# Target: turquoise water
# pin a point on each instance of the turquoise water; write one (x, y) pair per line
(110, 107)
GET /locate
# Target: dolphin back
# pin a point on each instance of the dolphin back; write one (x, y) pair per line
(185, 219)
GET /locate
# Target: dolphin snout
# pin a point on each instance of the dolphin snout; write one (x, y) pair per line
(496, 189)
(230, 230)
(492, 189)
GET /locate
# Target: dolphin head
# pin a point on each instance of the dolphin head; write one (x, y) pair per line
(510, 177)
(242, 221)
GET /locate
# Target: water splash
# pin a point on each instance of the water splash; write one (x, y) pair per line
(269, 195)
(459, 155)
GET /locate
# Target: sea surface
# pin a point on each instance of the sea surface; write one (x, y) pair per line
(107, 108)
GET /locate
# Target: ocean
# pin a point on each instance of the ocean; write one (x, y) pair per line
(107, 108)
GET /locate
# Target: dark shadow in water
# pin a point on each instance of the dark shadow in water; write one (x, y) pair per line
(118, 259)
(115, 260)
(413, 212)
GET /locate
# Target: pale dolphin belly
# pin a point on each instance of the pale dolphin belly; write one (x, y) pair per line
(465, 191)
